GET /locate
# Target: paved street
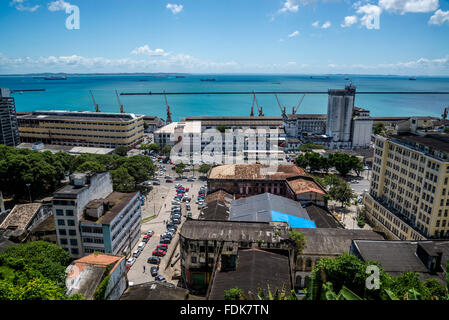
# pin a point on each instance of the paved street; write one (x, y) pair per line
(159, 201)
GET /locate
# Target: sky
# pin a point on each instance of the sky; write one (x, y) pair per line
(402, 37)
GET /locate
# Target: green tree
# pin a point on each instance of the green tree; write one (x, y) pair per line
(121, 151)
(122, 180)
(342, 193)
(301, 161)
(310, 146)
(204, 168)
(342, 162)
(179, 168)
(91, 166)
(379, 128)
(166, 150)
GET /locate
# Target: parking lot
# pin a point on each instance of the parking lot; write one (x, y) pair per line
(159, 202)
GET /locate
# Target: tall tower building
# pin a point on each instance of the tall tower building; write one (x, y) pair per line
(339, 115)
(9, 130)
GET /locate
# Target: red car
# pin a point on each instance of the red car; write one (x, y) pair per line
(171, 162)
(162, 246)
(169, 180)
(159, 252)
(187, 189)
(146, 238)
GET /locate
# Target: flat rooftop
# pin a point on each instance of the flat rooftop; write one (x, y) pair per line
(333, 241)
(433, 142)
(155, 290)
(236, 121)
(118, 200)
(63, 115)
(235, 231)
(255, 172)
(322, 217)
(255, 269)
(307, 116)
(21, 216)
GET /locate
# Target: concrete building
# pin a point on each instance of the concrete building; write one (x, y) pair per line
(244, 180)
(409, 192)
(82, 128)
(85, 275)
(344, 126)
(90, 217)
(427, 258)
(210, 246)
(153, 123)
(267, 207)
(69, 203)
(19, 223)
(9, 129)
(324, 243)
(224, 139)
(111, 225)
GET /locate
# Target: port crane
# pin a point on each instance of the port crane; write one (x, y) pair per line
(168, 120)
(283, 109)
(444, 115)
(294, 110)
(122, 110)
(259, 108)
(97, 109)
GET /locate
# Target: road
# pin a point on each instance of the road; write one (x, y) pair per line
(159, 201)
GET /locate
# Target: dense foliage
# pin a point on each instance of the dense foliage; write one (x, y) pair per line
(43, 171)
(342, 162)
(350, 273)
(310, 146)
(34, 271)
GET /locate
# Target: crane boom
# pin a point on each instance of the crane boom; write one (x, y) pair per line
(122, 110)
(283, 111)
(97, 109)
(299, 104)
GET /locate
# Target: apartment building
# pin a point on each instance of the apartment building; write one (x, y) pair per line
(82, 128)
(225, 139)
(9, 133)
(90, 217)
(409, 191)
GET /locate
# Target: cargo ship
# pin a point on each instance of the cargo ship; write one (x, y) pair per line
(208, 79)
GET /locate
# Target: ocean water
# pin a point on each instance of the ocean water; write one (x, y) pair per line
(73, 94)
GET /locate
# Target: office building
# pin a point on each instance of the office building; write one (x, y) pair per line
(82, 128)
(90, 217)
(9, 132)
(409, 192)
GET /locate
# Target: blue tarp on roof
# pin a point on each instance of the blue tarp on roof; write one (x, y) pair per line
(294, 222)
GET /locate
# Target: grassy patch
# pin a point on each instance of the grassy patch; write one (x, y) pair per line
(148, 218)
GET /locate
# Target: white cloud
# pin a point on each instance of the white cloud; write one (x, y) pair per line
(326, 25)
(371, 16)
(293, 34)
(439, 17)
(175, 8)
(404, 6)
(290, 6)
(316, 24)
(145, 50)
(20, 5)
(58, 5)
(349, 21)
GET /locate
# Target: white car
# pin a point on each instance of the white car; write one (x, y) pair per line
(130, 261)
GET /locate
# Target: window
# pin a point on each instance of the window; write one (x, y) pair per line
(61, 222)
(71, 222)
(69, 213)
(62, 232)
(59, 212)
(193, 259)
(63, 241)
(74, 251)
(73, 242)
(72, 232)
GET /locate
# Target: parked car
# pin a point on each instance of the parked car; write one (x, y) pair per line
(160, 278)
(189, 215)
(150, 233)
(154, 260)
(162, 246)
(156, 183)
(188, 206)
(154, 271)
(177, 221)
(159, 252)
(136, 253)
(146, 238)
(175, 202)
(130, 261)
(165, 240)
(169, 180)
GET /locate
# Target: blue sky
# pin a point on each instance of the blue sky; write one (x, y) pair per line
(227, 36)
